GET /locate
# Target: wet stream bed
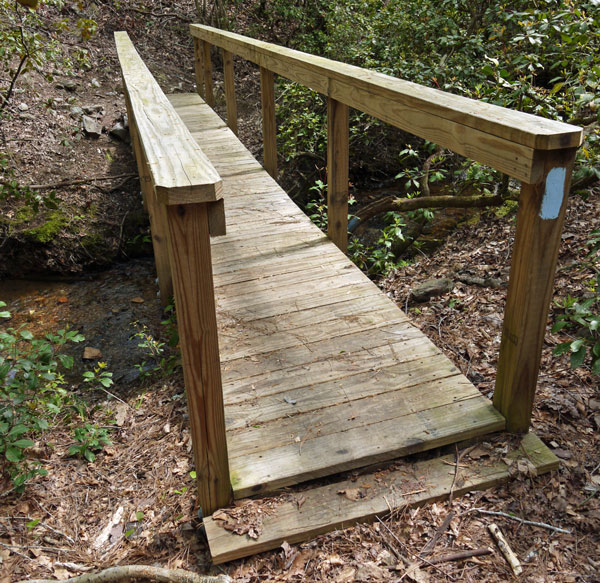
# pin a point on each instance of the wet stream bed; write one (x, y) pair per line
(104, 307)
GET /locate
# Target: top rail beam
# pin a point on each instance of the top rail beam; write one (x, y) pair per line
(496, 136)
(180, 171)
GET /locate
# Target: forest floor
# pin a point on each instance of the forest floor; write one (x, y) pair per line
(136, 502)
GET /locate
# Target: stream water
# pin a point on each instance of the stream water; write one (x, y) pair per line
(103, 307)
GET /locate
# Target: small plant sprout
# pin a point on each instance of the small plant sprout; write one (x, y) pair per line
(89, 439)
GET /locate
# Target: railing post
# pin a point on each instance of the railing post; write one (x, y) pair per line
(230, 101)
(267, 100)
(540, 219)
(207, 68)
(337, 172)
(197, 325)
(157, 214)
(199, 66)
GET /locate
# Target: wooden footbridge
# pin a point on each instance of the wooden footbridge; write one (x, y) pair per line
(296, 365)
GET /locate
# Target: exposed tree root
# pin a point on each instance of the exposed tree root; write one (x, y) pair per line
(126, 572)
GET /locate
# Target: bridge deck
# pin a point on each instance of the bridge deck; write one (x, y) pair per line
(321, 371)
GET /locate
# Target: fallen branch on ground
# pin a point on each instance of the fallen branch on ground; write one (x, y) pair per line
(521, 520)
(460, 555)
(126, 572)
(393, 203)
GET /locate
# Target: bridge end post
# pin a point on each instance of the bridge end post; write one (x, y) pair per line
(540, 219)
(190, 226)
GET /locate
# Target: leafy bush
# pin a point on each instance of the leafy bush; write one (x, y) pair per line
(535, 57)
(33, 393)
(582, 317)
(89, 439)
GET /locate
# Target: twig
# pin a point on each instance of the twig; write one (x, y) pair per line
(451, 495)
(406, 559)
(428, 548)
(29, 518)
(504, 547)
(125, 572)
(460, 555)
(521, 520)
(12, 550)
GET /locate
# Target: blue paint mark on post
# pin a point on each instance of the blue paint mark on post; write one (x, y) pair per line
(554, 193)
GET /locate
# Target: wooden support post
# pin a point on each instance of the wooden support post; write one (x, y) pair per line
(199, 66)
(267, 100)
(337, 173)
(229, 75)
(197, 324)
(157, 214)
(207, 68)
(539, 225)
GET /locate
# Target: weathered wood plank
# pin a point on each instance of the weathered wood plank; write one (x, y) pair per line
(357, 413)
(542, 208)
(185, 177)
(291, 379)
(283, 466)
(324, 509)
(337, 173)
(270, 406)
(341, 347)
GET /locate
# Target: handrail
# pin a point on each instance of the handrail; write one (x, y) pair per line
(183, 195)
(185, 177)
(537, 151)
(487, 133)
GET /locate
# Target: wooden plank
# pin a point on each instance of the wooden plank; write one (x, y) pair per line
(318, 73)
(269, 127)
(283, 466)
(291, 380)
(339, 348)
(337, 173)
(199, 67)
(180, 171)
(197, 325)
(229, 75)
(254, 343)
(287, 299)
(411, 484)
(542, 208)
(262, 407)
(358, 414)
(207, 69)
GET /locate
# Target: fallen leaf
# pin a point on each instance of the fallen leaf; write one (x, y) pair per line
(62, 300)
(414, 573)
(346, 575)
(137, 300)
(353, 494)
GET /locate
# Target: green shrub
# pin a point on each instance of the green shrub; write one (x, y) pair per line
(33, 393)
(581, 317)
